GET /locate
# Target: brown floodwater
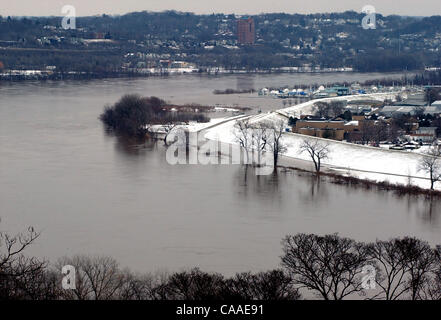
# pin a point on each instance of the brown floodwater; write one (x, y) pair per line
(91, 193)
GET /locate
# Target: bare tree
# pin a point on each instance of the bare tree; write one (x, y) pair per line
(329, 110)
(16, 269)
(405, 265)
(97, 278)
(142, 286)
(421, 262)
(380, 132)
(31, 281)
(336, 108)
(430, 163)
(322, 109)
(13, 246)
(259, 139)
(134, 115)
(328, 265)
(366, 131)
(393, 265)
(195, 285)
(432, 290)
(274, 139)
(271, 285)
(252, 138)
(243, 133)
(318, 151)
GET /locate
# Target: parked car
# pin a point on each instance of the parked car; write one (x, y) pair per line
(397, 147)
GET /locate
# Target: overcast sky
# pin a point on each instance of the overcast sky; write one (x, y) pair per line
(93, 7)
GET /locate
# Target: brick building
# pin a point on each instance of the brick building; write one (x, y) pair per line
(246, 31)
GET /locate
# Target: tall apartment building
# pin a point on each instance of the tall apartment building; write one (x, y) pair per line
(246, 31)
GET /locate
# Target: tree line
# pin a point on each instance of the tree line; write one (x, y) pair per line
(327, 267)
(134, 115)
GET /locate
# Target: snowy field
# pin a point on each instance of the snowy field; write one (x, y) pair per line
(377, 164)
(193, 126)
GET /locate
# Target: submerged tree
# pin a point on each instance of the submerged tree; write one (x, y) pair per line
(259, 137)
(134, 115)
(274, 139)
(243, 132)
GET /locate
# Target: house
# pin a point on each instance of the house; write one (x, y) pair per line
(391, 111)
(424, 134)
(358, 117)
(359, 109)
(332, 92)
(328, 129)
(341, 91)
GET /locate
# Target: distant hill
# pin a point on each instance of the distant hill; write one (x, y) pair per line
(143, 39)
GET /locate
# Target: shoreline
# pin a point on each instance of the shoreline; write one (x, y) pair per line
(337, 177)
(43, 75)
(367, 184)
(379, 158)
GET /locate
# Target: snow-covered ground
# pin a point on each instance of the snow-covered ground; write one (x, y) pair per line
(192, 126)
(377, 164)
(423, 149)
(367, 162)
(197, 126)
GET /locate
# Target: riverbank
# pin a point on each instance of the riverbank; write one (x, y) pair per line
(396, 169)
(46, 75)
(367, 184)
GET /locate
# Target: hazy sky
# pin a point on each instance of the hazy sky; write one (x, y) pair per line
(92, 7)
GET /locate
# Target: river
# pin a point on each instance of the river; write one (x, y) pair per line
(91, 193)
